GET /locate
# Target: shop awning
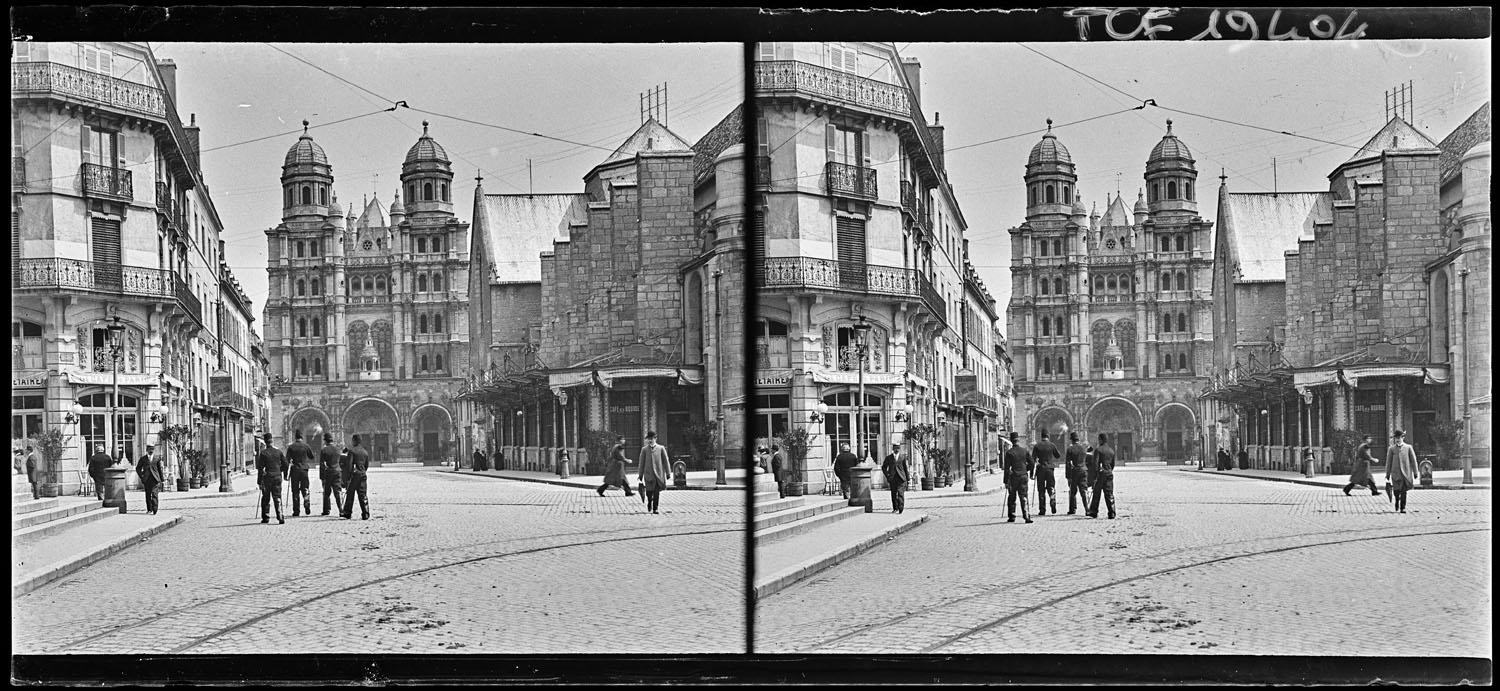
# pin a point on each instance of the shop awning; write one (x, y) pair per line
(1429, 374)
(606, 376)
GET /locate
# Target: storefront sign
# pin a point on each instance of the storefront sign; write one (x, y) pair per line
(28, 380)
(221, 388)
(774, 378)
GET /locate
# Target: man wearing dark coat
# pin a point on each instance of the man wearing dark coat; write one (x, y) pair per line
(150, 471)
(1244, 459)
(1362, 475)
(299, 458)
(330, 475)
(98, 463)
(897, 469)
(614, 473)
(1223, 460)
(1077, 474)
(34, 471)
(356, 467)
(270, 464)
(1017, 472)
(845, 461)
(479, 462)
(1104, 483)
(1043, 455)
(778, 466)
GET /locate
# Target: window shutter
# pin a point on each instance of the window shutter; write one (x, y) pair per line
(15, 244)
(763, 136)
(835, 56)
(783, 50)
(851, 253)
(833, 142)
(106, 252)
(768, 50)
(90, 58)
(851, 61)
(758, 243)
(87, 143)
(864, 145)
(106, 63)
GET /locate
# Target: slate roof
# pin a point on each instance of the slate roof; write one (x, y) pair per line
(520, 227)
(305, 151)
(1262, 226)
(1116, 215)
(1474, 130)
(373, 216)
(1049, 150)
(650, 136)
(729, 131)
(1404, 135)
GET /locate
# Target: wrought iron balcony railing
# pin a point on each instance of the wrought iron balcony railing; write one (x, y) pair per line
(932, 299)
(845, 180)
(909, 198)
(164, 199)
(18, 172)
(56, 273)
(809, 272)
(107, 182)
(762, 171)
(773, 76)
(63, 80)
(189, 302)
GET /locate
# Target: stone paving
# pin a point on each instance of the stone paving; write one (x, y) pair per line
(447, 563)
(1213, 565)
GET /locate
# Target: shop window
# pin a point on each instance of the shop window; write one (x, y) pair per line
(26, 345)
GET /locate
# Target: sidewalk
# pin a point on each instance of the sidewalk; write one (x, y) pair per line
(1441, 479)
(697, 479)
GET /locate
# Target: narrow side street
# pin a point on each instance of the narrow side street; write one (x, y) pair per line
(1196, 563)
(447, 563)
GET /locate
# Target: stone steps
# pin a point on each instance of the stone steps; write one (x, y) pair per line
(32, 518)
(29, 505)
(67, 521)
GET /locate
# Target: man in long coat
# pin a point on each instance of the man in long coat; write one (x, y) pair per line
(1043, 455)
(270, 464)
(1104, 482)
(330, 475)
(1017, 471)
(614, 473)
(1400, 468)
(897, 469)
(1077, 474)
(98, 463)
(654, 472)
(356, 468)
(841, 466)
(1362, 477)
(150, 471)
(778, 467)
(299, 458)
(34, 471)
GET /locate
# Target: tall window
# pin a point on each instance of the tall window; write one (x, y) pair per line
(1043, 285)
(445, 191)
(422, 324)
(1046, 326)
(317, 286)
(421, 245)
(1182, 322)
(301, 287)
(438, 365)
(1057, 286)
(314, 246)
(301, 327)
(437, 283)
(105, 250)
(26, 345)
(1181, 243)
(317, 365)
(437, 243)
(426, 191)
(317, 325)
(424, 362)
(437, 323)
(771, 345)
(1181, 280)
(299, 250)
(422, 283)
(306, 199)
(1171, 189)
(843, 59)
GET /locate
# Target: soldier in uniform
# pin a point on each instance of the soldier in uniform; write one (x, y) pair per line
(299, 457)
(1104, 481)
(269, 466)
(355, 468)
(1017, 478)
(329, 474)
(1077, 474)
(1043, 454)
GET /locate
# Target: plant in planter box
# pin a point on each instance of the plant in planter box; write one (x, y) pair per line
(197, 465)
(918, 437)
(1448, 436)
(1345, 444)
(175, 438)
(940, 457)
(51, 443)
(796, 442)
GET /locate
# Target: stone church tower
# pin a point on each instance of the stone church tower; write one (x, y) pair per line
(367, 318)
(1109, 315)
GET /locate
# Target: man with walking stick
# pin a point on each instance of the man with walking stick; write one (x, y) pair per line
(269, 466)
(329, 474)
(299, 458)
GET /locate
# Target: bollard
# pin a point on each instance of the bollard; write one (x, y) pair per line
(562, 466)
(859, 487)
(114, 488)
(679, 474)
(969, 484)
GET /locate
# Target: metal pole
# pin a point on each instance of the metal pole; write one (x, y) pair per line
(1468, 459)
(719, 477)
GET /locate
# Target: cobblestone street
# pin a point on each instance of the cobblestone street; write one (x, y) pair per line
(447, 563)
(1196, 563)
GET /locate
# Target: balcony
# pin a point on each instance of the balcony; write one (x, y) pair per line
(762, 172)
(189, 302)
(58, 274)
(845, 180)
(52, 79)
(788, 76)
(909, 200)
(932, 299)
(105, 182)
(164, 200)
(17, 173)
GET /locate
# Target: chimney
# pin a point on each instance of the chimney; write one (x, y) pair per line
(191, 145)
(913, 70)
(168, 70)
(936, 130)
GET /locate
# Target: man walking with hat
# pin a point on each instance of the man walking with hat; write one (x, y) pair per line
(897, 469)
(270, 465)
(654, 471)
(150, 471)
(1043, 454)
(1077, 474)
(1104, 481)
(1400, 468)
(329, 474)
(1362, 477)
(356, 467)
(299, 457)
(1017, 470)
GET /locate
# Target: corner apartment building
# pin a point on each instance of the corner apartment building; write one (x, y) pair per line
(857, 244)
(115, 255)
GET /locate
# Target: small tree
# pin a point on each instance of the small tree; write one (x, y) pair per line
(918, 437)
(1345, 444)
(703, 442)
(52, 443)
(1448, 436)
(796, 442)
(598, 443)
(196, 459)
(940, 463)
(175, 438)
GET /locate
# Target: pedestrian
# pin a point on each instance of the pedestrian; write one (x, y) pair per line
(1091, 463)
(1362, 477)
(479, 462)
(270, 465)
(841, 465)
(34, 471)
(1017, 470)
(356, 478)
(654, 471)
(1400, 468)
(897, 469)
(97, 464)
(1077, 475)
(1104, 482)
(1244, 459)
(18, 458)
(299, 458)
(149, 469)
(329, 474)
(1044, 455)
(614, 474)
(778, 468)
(499, 459)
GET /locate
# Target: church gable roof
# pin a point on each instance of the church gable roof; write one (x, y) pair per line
(518, 228)
(650, 136)
(373, 216)
(1260, 227)
(1397, 135)
(1117, 215)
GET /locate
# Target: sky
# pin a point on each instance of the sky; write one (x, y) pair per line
(1332, 91)
(585, 94)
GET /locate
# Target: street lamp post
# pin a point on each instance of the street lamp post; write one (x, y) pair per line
(115, 331)
(719, 478)
(226, 483)
(1468, 458)
(860, 330)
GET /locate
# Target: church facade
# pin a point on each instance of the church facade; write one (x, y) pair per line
(1110, 315)
(367, 319)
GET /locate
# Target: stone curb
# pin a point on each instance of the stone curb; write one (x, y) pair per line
(569, 483)
(777, 582)
(179, 496)
(1314, 483)
(68, 565)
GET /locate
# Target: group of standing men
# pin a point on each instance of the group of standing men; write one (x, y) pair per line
(1086, 468)
(338, 470)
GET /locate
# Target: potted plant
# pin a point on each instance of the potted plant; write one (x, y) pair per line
(52, 444)
(796, 442)
(1448, 436)
(176, 437)
(197, 466)
(917, 438)
(703, 443)
(943, 477)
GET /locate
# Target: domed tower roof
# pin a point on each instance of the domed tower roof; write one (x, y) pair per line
(1140, 203)
(305, 151)
(1049, 150)
(1170, 148)
(334, 210)
(426, 150)
(396, 207)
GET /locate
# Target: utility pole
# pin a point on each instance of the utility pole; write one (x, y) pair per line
(719, 477)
